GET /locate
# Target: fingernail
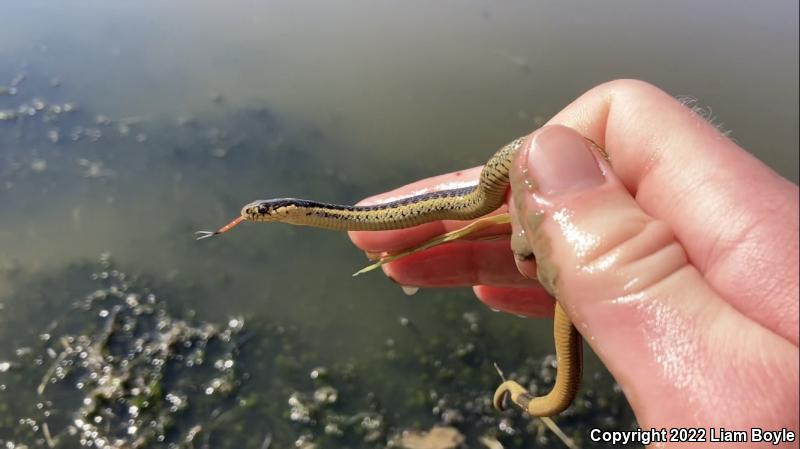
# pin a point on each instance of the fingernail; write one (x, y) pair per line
(561, 161)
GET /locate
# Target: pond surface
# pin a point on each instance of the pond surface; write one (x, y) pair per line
(126, 126)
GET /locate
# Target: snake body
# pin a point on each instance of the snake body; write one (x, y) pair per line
(454, 204)
(569, 362)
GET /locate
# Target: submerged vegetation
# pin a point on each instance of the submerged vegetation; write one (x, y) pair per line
(119, 368)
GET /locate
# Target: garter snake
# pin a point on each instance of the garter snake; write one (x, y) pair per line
(455, 204)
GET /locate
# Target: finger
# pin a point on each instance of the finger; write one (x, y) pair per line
(737, 219)
(460, 264)
(623, 278)
(530, 302)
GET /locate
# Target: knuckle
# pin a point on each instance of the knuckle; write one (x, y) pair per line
(644, 258)
(630, 87)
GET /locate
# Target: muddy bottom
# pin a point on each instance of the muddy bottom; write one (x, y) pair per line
(116, 364)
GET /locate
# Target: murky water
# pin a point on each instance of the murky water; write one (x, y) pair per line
(126, 126)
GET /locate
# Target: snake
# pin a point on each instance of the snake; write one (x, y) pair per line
(463, 203)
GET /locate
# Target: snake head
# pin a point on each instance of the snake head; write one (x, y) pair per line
(276, 209)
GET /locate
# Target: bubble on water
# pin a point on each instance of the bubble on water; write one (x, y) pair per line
(318, 372)
(39, 165)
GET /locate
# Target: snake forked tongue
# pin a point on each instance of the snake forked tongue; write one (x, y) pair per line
(206, 234)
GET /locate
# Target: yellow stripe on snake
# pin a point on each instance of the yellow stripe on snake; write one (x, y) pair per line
(456, 204)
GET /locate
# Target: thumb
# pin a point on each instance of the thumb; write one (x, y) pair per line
(628, 287)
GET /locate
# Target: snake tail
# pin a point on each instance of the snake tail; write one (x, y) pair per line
(569, 356)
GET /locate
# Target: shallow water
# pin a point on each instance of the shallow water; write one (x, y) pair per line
(185, 111)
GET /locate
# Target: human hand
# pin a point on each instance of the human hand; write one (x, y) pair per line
(679, 267)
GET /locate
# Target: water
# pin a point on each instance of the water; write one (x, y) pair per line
(187, 110)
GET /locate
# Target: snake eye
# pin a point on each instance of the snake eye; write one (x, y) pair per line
(263, 209)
